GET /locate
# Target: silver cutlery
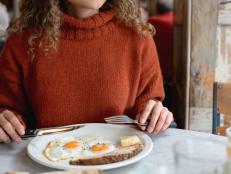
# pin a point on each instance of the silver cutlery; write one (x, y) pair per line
(47, 131)
(124, 119)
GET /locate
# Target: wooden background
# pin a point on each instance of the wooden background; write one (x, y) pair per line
(204, 57)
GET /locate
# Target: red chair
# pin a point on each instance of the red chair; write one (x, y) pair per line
(164, 41)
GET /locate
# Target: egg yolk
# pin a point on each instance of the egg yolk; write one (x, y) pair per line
(72, 145)
(99, 147)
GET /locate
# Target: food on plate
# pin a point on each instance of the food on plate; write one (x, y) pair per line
(63, 148)
(92, 149)
(129, 141)
(120, 154)
(69, 147)
(75, 172)
(64, 172)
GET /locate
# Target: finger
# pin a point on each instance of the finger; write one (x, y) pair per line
(3, 137)
(141, 127)
(15, 122)
(155, 116)
(161, 121)
(168, 121)
(147, 111)
(138, 117)
(7, 127)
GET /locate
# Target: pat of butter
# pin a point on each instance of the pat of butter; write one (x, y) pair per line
(129, 141)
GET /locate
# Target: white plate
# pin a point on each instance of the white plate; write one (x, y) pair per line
(109, 132)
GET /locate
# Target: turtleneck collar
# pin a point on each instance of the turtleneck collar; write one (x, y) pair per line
(87, 28)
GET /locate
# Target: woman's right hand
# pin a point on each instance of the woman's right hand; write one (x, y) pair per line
(10, 127)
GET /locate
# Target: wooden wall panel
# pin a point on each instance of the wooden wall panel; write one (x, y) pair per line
(203, 52)
(223, 69)
(180, 104)
(203, 63)
(200, 119)
(224, 16)
(210, 57)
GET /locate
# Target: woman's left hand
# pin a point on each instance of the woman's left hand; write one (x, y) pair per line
(160, 117)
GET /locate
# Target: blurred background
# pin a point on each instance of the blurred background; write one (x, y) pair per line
(193, 39)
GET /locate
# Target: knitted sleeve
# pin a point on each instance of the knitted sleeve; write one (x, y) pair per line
(11, 87)
(151, 81)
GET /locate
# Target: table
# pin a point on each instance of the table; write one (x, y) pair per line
(14, 157)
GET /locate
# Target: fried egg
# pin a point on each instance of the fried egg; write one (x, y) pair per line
(72, 147)
(99, 146)
(64, 148)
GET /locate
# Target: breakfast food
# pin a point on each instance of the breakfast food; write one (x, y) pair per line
(75, 172)
(64, 172)
(92, 149)
(63, 149)
(118, 155)
(77, 147)
(129, 141)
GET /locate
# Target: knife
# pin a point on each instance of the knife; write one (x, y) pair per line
(47, 131)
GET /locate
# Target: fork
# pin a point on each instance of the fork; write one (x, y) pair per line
(123, 119)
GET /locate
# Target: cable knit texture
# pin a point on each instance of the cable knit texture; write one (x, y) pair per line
(102, 68)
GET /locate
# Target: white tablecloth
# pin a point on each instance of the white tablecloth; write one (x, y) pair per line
(14, 156)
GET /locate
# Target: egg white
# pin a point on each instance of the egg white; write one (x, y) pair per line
(55, 150)
(96, 140)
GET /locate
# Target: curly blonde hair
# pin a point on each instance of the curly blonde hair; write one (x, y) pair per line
(44, 17)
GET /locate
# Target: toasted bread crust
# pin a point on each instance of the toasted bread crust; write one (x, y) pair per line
(63, 172)
(110, 158)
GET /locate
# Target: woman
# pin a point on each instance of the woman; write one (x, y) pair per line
(79, 61)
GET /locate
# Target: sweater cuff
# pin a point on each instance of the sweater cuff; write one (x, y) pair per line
(19, 116)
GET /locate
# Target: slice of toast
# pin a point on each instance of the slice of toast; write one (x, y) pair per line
(76, 172)
(63, 172)
(118, 155)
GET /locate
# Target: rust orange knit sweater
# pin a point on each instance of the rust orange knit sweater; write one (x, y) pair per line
(102, 68)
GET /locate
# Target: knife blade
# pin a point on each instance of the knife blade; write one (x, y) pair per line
(47, 131)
